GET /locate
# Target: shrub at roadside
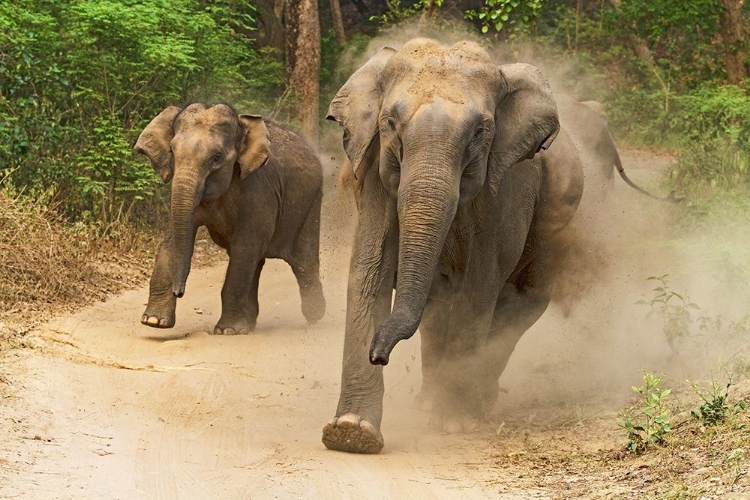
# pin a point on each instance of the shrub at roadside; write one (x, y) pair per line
(46, 263)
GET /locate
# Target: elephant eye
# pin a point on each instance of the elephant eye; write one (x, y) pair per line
(478, 134)
(215, 159)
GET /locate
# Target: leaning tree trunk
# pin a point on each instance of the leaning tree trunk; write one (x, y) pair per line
(303, 64)
(733, 36)
(338, 22)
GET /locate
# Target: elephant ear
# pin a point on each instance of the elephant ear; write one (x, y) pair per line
(255, 144)
(526, 120)
(356, 107)
(154, 142)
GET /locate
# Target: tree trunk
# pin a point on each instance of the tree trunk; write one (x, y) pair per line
(338, 22)
(303, 64)
(733, 36)
(428, 11)
(644, 54)
(271, 33)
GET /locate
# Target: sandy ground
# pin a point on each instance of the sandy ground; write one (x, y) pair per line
(100, 406)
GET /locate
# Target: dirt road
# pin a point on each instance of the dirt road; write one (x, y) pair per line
(103, 407)
(131, 412)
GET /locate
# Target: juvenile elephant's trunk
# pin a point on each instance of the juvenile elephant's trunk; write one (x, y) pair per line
(426, 208)
(187, 191)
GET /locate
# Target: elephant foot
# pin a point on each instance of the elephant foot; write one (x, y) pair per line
(424, 400)
(159, 316)
(234, 328)
(352, 434)
(218, 330)
(314, 307)
(455, 424)
(458, 411)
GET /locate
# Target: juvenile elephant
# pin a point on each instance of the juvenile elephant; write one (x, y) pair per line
(458, 211)
(257, 188)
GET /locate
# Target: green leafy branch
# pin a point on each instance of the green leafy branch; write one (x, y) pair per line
(499, 14)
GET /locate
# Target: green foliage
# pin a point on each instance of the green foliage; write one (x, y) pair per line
(714, 132)
(665, 72)
(80, 78)
(681, 320)
(680, 36)
(399, 11)
(649, 422)
(514, 15)
(674, 309)
(715, 408)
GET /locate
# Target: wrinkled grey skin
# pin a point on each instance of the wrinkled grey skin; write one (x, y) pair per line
(459, 213)
(255, 186)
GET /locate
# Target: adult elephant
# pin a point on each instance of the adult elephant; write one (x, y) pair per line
(458, 211)
(255, 186)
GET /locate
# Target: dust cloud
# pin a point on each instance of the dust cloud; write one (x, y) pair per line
(594, 341)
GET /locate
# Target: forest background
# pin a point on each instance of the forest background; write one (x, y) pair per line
(79, 79)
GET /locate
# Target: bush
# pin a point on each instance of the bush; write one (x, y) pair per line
(45, 261)
(80, 79)
(714, 132)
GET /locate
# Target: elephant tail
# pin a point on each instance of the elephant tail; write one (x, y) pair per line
(670, 198)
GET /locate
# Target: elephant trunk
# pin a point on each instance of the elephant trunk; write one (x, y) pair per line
(426, 208)
(187, 191)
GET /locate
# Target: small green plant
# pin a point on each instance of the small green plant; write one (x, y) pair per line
(649, 422)
(675, 310)
(715, 408)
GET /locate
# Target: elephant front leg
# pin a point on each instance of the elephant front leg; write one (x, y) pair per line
(356, 426)
(458, 401)
(160, 310)
(237, 312)
(433, 332)
(458, 405)
(519, 306)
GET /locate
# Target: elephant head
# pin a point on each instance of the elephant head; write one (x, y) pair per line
(200, 149)
(450, 123)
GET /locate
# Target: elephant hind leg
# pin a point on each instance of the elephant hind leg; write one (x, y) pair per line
(253, 308)
(305, 264)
